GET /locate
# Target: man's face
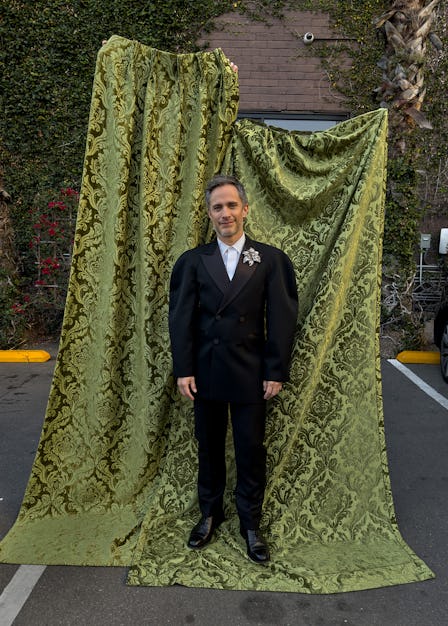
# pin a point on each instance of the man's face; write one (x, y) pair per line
(227, 213)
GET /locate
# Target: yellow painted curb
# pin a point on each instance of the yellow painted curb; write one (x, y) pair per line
(24, 356)
(416, 356)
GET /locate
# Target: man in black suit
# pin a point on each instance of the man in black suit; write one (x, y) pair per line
(233, 310)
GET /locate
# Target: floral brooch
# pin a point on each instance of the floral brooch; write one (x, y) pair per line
(251, 256)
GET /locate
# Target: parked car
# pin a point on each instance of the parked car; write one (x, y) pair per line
(441, 335)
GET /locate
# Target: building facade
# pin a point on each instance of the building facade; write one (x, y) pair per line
(281, 77)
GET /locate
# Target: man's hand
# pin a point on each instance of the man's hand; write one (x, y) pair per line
(187, 386)
(271, 388)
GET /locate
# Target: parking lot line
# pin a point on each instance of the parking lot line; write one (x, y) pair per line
(18, 591)
(430, 391)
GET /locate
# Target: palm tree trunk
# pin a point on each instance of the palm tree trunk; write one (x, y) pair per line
(407, 26)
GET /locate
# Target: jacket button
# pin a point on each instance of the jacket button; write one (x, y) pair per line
(217, 317)
(242, 318)
(216, 341)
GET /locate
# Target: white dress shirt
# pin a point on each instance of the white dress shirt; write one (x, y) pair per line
(231, 254)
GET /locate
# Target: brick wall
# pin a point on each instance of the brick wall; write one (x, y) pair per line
(277, 71)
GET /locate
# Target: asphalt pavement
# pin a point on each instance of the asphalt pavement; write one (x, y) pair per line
(416, 431)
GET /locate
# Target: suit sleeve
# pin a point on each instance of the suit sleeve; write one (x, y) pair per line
(182, 315)
(281, 318)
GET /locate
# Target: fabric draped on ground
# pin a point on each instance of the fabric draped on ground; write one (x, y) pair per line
(113, 482)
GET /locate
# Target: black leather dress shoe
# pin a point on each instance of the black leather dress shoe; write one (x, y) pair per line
(203, 532)
(257, 548)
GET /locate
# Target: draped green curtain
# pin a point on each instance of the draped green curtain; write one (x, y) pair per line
(113, 482)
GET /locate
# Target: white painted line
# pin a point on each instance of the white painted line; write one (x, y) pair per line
(430, 391)
(17, 592)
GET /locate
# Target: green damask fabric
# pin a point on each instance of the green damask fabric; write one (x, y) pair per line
(113, 482)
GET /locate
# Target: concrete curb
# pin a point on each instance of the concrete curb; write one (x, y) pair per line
(24, 356)
(417, 356)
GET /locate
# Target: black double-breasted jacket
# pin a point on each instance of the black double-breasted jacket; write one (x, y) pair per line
(232, 335)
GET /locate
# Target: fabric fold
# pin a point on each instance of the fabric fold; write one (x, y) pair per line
(159, 128)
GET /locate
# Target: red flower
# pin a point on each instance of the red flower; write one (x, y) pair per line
(49, 264)
(34, 241)
(57, 205)
(69, 192)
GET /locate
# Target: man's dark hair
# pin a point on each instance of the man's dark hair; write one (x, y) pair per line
(219, 181)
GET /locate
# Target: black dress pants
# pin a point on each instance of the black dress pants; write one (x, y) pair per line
(248, 425)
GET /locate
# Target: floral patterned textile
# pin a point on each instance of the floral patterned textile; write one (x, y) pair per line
(113, 482)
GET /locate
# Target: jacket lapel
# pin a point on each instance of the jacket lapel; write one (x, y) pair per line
(215, 267)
